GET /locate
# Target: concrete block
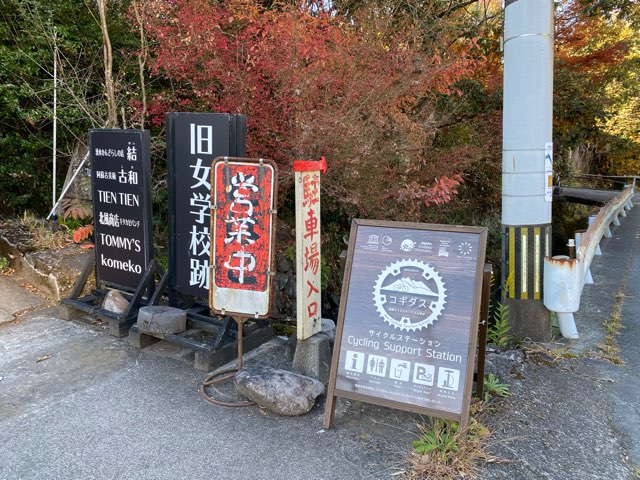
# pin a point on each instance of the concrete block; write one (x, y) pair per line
(140, 340)
(119, 327)
(312, 357)
(209, 361)
(66, 312)
(328, 331)
(159, 319)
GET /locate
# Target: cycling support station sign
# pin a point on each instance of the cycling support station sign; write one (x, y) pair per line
(120, 173)
(243, 221)
(408, 318)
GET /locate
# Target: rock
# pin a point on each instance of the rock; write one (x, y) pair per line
(313, 357)
(115, 302)
(290, 289)
(281, 281)
(504, 365)
(329, 329)
(283, 263)
(54, 271)
(291, 345)
(280, 391)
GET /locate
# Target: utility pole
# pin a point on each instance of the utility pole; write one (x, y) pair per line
(526, 162)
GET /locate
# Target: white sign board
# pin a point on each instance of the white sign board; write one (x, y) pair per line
(308, 263)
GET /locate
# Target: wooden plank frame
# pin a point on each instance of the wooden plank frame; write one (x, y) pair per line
(483, 329)
(472, 334)
(263, 307)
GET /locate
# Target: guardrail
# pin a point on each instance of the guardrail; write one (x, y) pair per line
(564, 277)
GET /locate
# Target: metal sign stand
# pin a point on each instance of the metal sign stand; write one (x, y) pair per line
(243, 216)
(219, 377)
(146, 293)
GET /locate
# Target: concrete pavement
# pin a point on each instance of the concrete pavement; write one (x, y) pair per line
(76, 403)
(16, 300)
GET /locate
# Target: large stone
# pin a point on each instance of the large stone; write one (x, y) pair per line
(55, 271)
(115, 302)
(281, 391)
(505, 364)
(329, 329)
(313, 357)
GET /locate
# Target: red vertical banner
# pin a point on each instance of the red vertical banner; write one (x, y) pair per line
(308, 258)
(243, 226)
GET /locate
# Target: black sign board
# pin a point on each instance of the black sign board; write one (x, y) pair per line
(120, 176)
(193, 141)
(408, 319)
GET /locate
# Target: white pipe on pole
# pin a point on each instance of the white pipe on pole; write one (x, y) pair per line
(55, 113)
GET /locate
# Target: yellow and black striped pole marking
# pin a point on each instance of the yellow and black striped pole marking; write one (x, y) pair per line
(526, 247)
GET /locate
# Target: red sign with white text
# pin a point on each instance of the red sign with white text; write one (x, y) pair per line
(242, 225)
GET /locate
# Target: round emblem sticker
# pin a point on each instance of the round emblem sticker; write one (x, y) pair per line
(409, 294)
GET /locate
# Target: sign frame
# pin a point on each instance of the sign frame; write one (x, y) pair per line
(235, 298)
(334, 391)
(144, 215)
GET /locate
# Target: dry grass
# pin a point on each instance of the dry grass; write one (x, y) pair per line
(457, 454)
(546, 354)
(44, 237)
(609, 348)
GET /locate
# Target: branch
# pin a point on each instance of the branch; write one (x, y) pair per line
(455, 7)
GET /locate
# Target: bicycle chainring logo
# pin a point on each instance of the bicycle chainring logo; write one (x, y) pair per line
(409, 294)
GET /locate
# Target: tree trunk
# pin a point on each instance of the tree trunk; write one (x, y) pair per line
(139, 12)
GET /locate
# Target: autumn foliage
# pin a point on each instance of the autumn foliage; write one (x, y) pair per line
(358, 90)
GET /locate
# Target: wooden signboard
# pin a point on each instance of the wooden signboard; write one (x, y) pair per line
(243, 221)
(408, 318)
(308, 260)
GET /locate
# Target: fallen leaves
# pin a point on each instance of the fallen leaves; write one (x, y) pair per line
(29, 287)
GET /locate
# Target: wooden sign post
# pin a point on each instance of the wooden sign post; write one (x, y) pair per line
(408, 319)
(308, 274)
